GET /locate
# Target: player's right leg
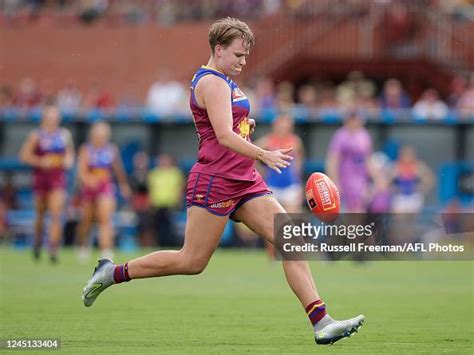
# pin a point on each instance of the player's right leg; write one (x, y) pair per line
(105, 208)
(56, 199)
(41, 205)
(84, 229)
(202, 235)
(258, 214)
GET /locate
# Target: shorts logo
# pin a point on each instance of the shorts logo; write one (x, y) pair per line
(199, 197)
(224, 204)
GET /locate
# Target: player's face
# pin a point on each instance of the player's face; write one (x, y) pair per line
(233, 58)
(100, 134)
(51, 117)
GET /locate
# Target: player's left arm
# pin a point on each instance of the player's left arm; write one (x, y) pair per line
(69, 154)
(119, 171)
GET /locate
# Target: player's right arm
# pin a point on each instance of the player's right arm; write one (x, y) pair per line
(213, 94)
(85, 177)
(27, 151)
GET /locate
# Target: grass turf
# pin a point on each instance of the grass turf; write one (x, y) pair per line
(240, 304)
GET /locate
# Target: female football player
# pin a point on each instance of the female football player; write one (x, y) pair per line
(224, 184)
(49, 150)
(98, 161)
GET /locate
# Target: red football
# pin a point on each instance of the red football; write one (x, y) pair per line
(322, 196)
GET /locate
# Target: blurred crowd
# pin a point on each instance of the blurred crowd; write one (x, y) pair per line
(168, 12)
(311, 99)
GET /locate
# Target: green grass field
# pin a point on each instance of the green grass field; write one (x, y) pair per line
(240, 304)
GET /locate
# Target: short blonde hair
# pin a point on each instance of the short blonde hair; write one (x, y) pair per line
(225, 30)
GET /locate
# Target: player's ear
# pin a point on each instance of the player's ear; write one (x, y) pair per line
(218, 50)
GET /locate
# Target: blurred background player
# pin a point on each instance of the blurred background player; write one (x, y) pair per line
(412, 179)
(49, 150)
(348, 153)
(98, 160)
(286, 186)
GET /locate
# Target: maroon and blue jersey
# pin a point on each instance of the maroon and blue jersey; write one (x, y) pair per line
(101, 161)
(214, 158)
(52, 145)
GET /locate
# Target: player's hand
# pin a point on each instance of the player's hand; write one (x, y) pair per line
(277, 159)
(252, 125)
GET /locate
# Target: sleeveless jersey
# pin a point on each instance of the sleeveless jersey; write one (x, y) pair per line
(101, 160)
(52, 145)
(406, 177)
(213, 158)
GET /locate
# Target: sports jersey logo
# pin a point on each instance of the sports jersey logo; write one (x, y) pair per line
(238, 95)
(244, 128)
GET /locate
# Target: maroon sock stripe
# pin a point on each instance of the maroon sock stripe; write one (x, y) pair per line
(316, 311)
(121, 273)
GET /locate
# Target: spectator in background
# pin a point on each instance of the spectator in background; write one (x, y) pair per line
(457, 88)
(167, 96)
(69, 98)
(265, 95)
(98, 98)
(400, 27)
(327, 96)
(140, 197)
(91, 10)
(27, 95)
(347, 156)
(393, 96)
(354, 87)
(429, 106)
(308, 98)
(465, 104)
(165, 185)
(285, 92)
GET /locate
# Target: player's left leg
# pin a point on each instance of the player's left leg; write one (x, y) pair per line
(258, 214)
(41, 206)
(56, 199)
(105, 208)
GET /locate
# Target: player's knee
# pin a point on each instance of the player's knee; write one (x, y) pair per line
(195, 265)
(56, 217)
(104, 220)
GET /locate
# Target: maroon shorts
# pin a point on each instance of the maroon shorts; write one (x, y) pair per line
(45, 181)
(92, 194)
(222, 196)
